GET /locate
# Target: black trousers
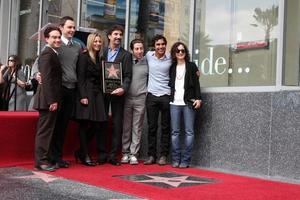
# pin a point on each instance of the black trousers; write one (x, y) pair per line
(154, 106)
(103, 141)
(63, 116)
(45, 128)
(87, 130)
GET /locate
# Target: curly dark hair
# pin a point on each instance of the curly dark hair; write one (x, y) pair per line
(174, 50)
(115, 28)
(158, 37)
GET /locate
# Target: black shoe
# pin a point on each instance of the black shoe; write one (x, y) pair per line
(162, 160)
(85, 160)
(62, 164)
(149, 161)
(101, 161)
(45, 167)
(114, 162)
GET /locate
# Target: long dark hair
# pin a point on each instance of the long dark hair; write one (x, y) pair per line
(16, 61)
(174, 50)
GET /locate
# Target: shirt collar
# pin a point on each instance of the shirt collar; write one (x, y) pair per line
(116, 49)
(166, 56)
(65, 40)
(55, 51)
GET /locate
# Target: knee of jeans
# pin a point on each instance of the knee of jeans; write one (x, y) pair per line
(175, 133)
(189, 133)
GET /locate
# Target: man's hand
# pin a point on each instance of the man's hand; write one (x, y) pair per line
(38, 77)
(84, 101)
(53, 107)
(118, 92)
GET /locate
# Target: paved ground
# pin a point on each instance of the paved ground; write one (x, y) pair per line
(18, 183)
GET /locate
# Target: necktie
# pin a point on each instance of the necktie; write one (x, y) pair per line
(69, 43)
(136, 61)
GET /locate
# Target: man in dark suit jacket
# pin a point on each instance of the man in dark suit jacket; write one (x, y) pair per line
(47, 97)
(115, 53)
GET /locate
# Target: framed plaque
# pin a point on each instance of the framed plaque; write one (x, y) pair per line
(112, 76)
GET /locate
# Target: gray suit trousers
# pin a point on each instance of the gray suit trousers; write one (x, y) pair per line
(134, 110)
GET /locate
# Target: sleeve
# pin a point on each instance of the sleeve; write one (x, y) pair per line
(81, 75)
(127, 70)
(196, 81)
(46, 68)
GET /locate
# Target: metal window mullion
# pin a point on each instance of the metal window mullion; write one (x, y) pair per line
(280, 45)
(79, 3)
(39, 28)
(127, 25)
(192, 26)
(9, 29)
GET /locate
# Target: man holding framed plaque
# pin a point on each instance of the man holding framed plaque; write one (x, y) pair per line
(112, 76)
(117, 73)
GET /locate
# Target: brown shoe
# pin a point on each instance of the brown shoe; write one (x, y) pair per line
(162, 160)
(149, 161)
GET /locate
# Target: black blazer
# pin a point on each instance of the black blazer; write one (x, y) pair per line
(191, 82)
(50, 90)
(125, 58)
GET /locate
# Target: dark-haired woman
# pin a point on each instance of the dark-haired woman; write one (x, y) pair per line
(185, 99)
(12, 77)
(90, 110)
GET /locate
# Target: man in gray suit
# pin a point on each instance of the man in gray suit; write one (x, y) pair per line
(47, 98)
(135, 103)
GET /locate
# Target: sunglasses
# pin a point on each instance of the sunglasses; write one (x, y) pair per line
(180, 51)
(11, 61)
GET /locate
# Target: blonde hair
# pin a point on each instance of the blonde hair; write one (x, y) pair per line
(90, 40)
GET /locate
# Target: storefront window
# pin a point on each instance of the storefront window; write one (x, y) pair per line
(102, 14)
(235, 42)
(29, 23)
(167, 17)
(292, 41)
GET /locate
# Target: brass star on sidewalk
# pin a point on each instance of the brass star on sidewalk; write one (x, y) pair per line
(38, 175)
(112, 72)
(171, 181)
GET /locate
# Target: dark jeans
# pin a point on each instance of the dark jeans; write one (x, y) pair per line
(182, 156)
(155, 105)
(117, 109)
(64, 114)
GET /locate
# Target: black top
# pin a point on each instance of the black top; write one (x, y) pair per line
(90, 86)
(191, 82)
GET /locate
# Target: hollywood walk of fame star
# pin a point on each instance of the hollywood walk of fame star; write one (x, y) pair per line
(112, 72)
(171, 181)
(38, 175)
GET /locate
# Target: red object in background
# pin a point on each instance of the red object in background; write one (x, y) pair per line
(262, 44)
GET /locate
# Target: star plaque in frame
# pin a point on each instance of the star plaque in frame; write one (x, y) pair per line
(112, 76)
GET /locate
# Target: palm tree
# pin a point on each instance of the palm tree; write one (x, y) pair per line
(267, 19)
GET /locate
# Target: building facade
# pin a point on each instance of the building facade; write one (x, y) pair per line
(247, 53)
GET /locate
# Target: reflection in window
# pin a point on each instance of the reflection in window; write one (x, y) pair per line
(235, 42)
(292, 42)
(167, 17)
(102, 14)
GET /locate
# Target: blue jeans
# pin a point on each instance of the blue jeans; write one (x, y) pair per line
(188, 114)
